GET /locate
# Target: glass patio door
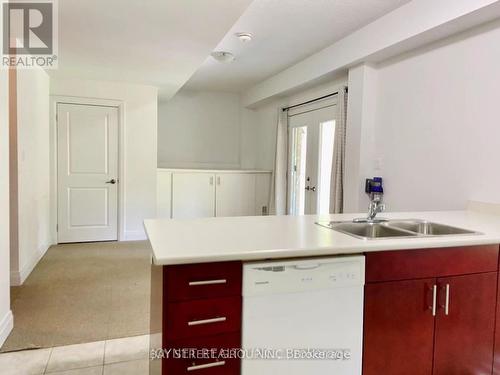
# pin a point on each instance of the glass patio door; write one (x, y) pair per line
(311, 140)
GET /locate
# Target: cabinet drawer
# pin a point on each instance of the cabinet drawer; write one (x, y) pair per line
(424, 263)
(202, 317)
(206, 280)
(214, 365)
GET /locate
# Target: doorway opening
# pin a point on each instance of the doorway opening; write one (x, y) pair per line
(311, 140)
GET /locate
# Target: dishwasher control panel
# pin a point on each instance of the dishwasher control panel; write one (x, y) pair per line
(303, 275)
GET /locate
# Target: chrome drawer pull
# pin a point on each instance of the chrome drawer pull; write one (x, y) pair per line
(447, 300)
(434, 300)
(208, 365)
(208, 282)
(207, 321)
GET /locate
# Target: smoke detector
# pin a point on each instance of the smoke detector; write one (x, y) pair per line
(244, 37)
(223, 56)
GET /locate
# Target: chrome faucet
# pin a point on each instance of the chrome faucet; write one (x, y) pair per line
(375, 191)
(375, 206)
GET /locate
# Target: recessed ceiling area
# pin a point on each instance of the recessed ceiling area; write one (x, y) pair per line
(155, 42)
(283, 33)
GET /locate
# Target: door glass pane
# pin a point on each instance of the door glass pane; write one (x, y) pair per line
(326, 141)
(298, 169)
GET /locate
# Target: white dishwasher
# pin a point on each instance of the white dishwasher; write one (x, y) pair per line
(303, 317)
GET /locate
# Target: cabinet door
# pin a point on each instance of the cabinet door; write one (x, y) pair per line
(164, 194)
(465, 332)
(193, 195)
(235, 194)
(496, 362)
(262, 191)
(398, 328)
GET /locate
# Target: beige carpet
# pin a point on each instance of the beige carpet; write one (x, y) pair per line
(82, 293)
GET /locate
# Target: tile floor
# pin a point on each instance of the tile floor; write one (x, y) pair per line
(127, 356)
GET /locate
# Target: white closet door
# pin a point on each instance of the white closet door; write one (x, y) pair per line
(193, 195)
(87, 173)
(235, 195)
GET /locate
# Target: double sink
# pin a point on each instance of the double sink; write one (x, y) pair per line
(394, 229)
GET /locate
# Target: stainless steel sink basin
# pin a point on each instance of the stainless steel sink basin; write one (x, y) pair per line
(367, 230)
(428, 228)
(394, 228)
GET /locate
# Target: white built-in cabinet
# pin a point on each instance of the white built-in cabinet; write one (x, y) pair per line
(193, 195)
(186, 194)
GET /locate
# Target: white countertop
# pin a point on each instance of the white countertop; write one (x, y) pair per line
(271, 237)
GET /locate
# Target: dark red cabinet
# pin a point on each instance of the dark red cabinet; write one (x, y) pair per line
(409, 331)
(464, 337)
(196, 308)
(496, 361)
(398, 328)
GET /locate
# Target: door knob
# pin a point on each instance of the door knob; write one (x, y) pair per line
(112, 181)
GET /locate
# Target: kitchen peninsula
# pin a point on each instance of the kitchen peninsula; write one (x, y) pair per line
(430, 293)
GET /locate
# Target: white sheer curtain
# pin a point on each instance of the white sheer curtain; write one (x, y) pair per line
(338, 164)
(279, 185)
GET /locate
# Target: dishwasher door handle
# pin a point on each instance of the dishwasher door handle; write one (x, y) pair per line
(307, 266)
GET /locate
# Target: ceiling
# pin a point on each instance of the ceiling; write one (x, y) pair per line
(156, 42)
(284, 32)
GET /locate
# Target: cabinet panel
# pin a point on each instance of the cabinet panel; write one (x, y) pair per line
(164, 195)
(235, 194)
(398, 328)
(262, 193)
(425, 263)
(496, 362)
(211, 366)
(202, 317)
(206, 280)
(464, 337)
(193, 195)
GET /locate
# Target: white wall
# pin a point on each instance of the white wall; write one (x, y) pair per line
(33, 172)
(264, 128)
(360, 137)
(438, 123)
(262, 121)
(140, 147)
(205, 129)
(199, 129)
(6, 319)
(414, 24)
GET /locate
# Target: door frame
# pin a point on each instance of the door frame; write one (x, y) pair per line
(308, 108)
(120, 106)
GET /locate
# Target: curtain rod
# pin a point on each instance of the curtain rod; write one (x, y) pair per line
(312, 101)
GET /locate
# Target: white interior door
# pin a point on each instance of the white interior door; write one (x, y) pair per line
(235, 194)
(311, 139)
(193, 195)
(87, 165)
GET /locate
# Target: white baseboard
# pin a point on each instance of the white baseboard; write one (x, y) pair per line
(135, 235)
(6, 325)
(18, 277)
